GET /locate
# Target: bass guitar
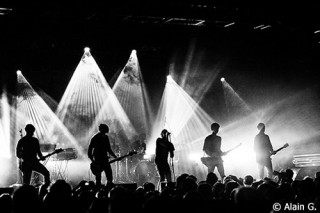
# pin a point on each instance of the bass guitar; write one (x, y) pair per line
(26, 165)
(276, 151)
(216, 159)
(56, 151)
(262, 159)
(98, 167)
(133, 152)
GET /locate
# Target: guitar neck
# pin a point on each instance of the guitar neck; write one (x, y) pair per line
(52, 153)
(48, 155)
(232, 149)
(117, 159)
(278, 150)
(121, 157)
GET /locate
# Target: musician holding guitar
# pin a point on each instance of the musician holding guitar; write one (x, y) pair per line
(263, 149)
(212, 147)
(28, 151)
(98, 152)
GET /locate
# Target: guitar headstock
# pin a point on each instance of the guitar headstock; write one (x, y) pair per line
(285, 145)
(132, 152)
(58, 150)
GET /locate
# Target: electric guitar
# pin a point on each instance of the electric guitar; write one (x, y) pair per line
(133, 152)
(56, 151)
(266, 157)
(216, 159)
(98, 167)
(25, 165)
(276, 151)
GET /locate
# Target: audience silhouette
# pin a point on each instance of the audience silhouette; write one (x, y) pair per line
(187, 194)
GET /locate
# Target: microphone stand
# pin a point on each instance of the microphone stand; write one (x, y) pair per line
(174, 176)
(20, 176)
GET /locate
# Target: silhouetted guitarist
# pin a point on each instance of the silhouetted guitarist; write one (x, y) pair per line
(28, 151)
(98, 152)
(212, 147)
(263, 149)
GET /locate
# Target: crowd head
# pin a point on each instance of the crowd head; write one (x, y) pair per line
(187, 194)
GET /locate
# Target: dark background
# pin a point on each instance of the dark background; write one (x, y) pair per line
(45, 40)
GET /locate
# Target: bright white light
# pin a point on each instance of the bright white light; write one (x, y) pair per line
(5, 11)
(200, 23)
(244, 155)
(86, 49)
(222, 79)
(233, 98)
(195, 156)
(180, 114)
(169, 77)
(147, 156)
(111, 109)
(31, 108)
(265, 27)
(133, 97)
(4, 126)
(83, 99)
(230, 24)
(259, 26)
(18, 72)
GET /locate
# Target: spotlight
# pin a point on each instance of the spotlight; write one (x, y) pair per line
(147, 157)
(134, 51)
(86, 49)
(194, 157)
(222, 79)
(19, 72)
(169, 77)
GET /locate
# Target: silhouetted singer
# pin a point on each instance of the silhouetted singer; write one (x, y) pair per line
(163, 148)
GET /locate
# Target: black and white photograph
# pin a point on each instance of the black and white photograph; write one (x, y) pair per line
(159, 106)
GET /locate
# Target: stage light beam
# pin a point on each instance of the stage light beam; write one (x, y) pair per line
(31, 108)
(4, 126)
(235, 104)
(185, 119)
(83, 98)
(133, 96)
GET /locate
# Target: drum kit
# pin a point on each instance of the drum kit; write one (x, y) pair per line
(139, 168)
